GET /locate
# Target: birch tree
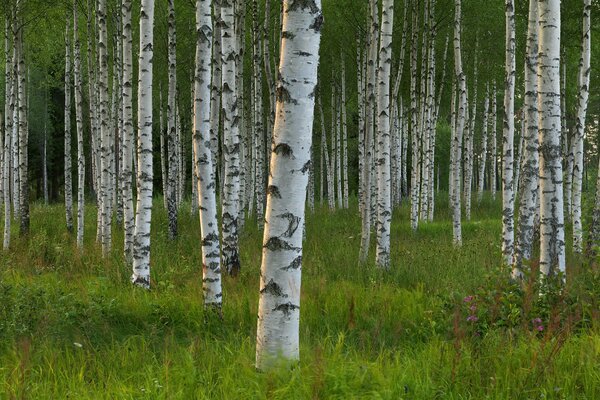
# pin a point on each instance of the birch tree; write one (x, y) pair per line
(211, 266)
(172, 146)
(127, 133)
(508, 190)
(484, 140)
(79, 128)
(231, 143)
(23, 130)
(552, 234)
(8, 105)
(530, 167)
(384, 205)
(460, 123)
(105, 142)
(68, 164)
(279, 301)
(141, 239)
(582, 104)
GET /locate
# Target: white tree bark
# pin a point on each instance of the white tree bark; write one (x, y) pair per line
(8, 105)
(584, 93)
(141, 239)
(493, 144)
(460, 124)
(384, 199)
(279, 303)
(68, 163)
(79, 127)
(23, 131)
(508, 189)
(231, 144)
(414, 181)
(106, 145)
(552, 234)
(484, 140)
(344, 138)
(530, 169)
(211, 266)
(173, 163)
(127, 178)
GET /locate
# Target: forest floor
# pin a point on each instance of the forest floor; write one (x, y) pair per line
(442, 324)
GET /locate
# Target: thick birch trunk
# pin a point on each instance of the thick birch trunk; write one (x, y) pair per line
(231, 144)
(508, 189)
(211, 266)
(106, 145)
(23, 135)
(552, 234)
(384, 199)
(279, 303)
(141, 241)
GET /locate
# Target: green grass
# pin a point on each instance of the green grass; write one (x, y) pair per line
(71, 325)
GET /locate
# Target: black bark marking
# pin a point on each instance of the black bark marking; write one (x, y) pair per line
(293, 223)
(274, 191)
(276, 244)
(284, 150)
(274, 289)
(286, 308)
(297, 263)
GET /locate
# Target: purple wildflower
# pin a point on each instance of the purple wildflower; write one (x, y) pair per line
(468, 299)
(473, 307)
(540, 328)
(472, 318)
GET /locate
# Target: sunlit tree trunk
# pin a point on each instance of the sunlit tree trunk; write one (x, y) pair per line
(231, 145)
(23, 131)
(584, 93)
(552, 234)
(79, 127)
(141, 239)
(279, 302)
(469, 144)
(106, 145)
(460, 123)
(508, 188)
(484, 140)
(211, 266)
(328, 162)
(8, 105)
(127, 178)
(529, 201)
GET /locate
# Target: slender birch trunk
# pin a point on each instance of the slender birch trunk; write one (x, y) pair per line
(231, 144)
(414, 181)
(328, 163)
(105, 147)
(552, 234)
(493, 144)
(484, 139)
(68, 163)
(279, 303)
(8, 105)
(171, 126)
(23, 133)
(141, 239)
(127, 178)
(79, 127)
(369, 128)
(384, 199)
(215, 93)
(584, 93)
(211, 266)
(469, 159)
(508, 189)
(460, 122)
(163, 149)
(344, 138)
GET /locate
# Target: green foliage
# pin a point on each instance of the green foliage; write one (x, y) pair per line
(72, 326)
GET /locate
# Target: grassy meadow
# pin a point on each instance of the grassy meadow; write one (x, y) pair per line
(442, 324)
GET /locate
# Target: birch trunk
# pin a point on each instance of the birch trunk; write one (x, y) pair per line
(493, 144)
(259, 135)
(460, 123)
(209, 227)
(23, 134)
(530, 168)
(508, 189)
(484, 139)
(552, 234)
(414, 181)
(172, 187)
(384, 199)
(231, 144)
(127, 178)
(8, 105)
(584, 93)
(163, 149)
(279, 303)
(344, 139)
(68, 163)
(105, 147)
(79, 127)
(141, 239)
